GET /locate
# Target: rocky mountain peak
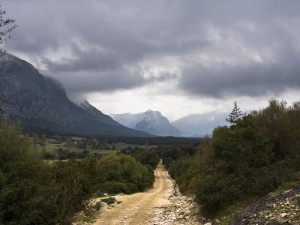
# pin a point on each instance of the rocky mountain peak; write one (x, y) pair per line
(150, 121)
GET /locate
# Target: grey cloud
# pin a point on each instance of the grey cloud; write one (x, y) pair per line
(81, 82)
(253, 79)
(90, 61)
(277, 72)
(108, 37)
(162, 77)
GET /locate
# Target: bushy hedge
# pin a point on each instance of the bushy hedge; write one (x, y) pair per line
(34, 191)
(147, 157)
(122, 173)
(256, 154)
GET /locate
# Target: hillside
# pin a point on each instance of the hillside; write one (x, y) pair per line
(40, 103)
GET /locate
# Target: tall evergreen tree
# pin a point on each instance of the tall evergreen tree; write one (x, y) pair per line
(235, 114)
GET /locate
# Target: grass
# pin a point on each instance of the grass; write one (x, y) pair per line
(109, 200)
(52, 145)
(225, 216)
(54, 148)
(90, 215)
(284, 187)
(51, 148)
(297, 200)
(92, 151)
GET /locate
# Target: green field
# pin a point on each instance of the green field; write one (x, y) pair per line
(53, 146)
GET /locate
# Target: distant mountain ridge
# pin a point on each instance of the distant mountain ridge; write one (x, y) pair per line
(150, 121)
(37, 101)
(200, 125)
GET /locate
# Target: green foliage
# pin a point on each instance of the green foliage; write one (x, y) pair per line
(297, 200)
(73, 184)
(13, 146)
(109, 201)
(170, 154)
(90, 214)
(183, 171)
(147, 157)
(235, 114)
(122, 173)
(33, 191)
(27, 195)
(255, 155)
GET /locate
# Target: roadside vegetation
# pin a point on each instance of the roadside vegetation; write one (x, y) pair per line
(35, 191)
(258, 153)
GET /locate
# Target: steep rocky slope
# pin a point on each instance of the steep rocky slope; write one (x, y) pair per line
(275, 209)
(38, 102)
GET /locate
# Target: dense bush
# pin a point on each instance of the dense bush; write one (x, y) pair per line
(122, 173)
(147, 157)
(170, 154)
(256, 154)
(33, 191)
(183, 171)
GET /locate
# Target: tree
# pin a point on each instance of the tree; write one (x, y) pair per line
(44, 143)
(69, 143)
(6, 26)
(235, 114)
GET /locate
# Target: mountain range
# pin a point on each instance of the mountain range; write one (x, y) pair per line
(200, 125)
(194, 125)
(150, 121)
(40, 103)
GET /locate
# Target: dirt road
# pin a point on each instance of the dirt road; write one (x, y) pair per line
(142, 208)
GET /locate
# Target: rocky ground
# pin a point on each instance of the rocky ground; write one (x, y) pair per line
(161, 205)
(273, 209)
(165, 205)
(180, 210)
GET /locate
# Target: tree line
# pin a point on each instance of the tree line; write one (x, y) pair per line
(253, 156)
(34, 191)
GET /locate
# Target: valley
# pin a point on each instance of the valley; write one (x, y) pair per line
(83, 154)
(42, 106)
(191, 173)
(149, 112)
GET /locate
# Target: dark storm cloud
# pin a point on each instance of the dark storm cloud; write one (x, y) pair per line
(92, 60)
(107, 81)
(248, 80)
(233, 47)
(275, 41)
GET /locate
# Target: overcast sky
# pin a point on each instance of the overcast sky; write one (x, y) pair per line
(179, 57)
